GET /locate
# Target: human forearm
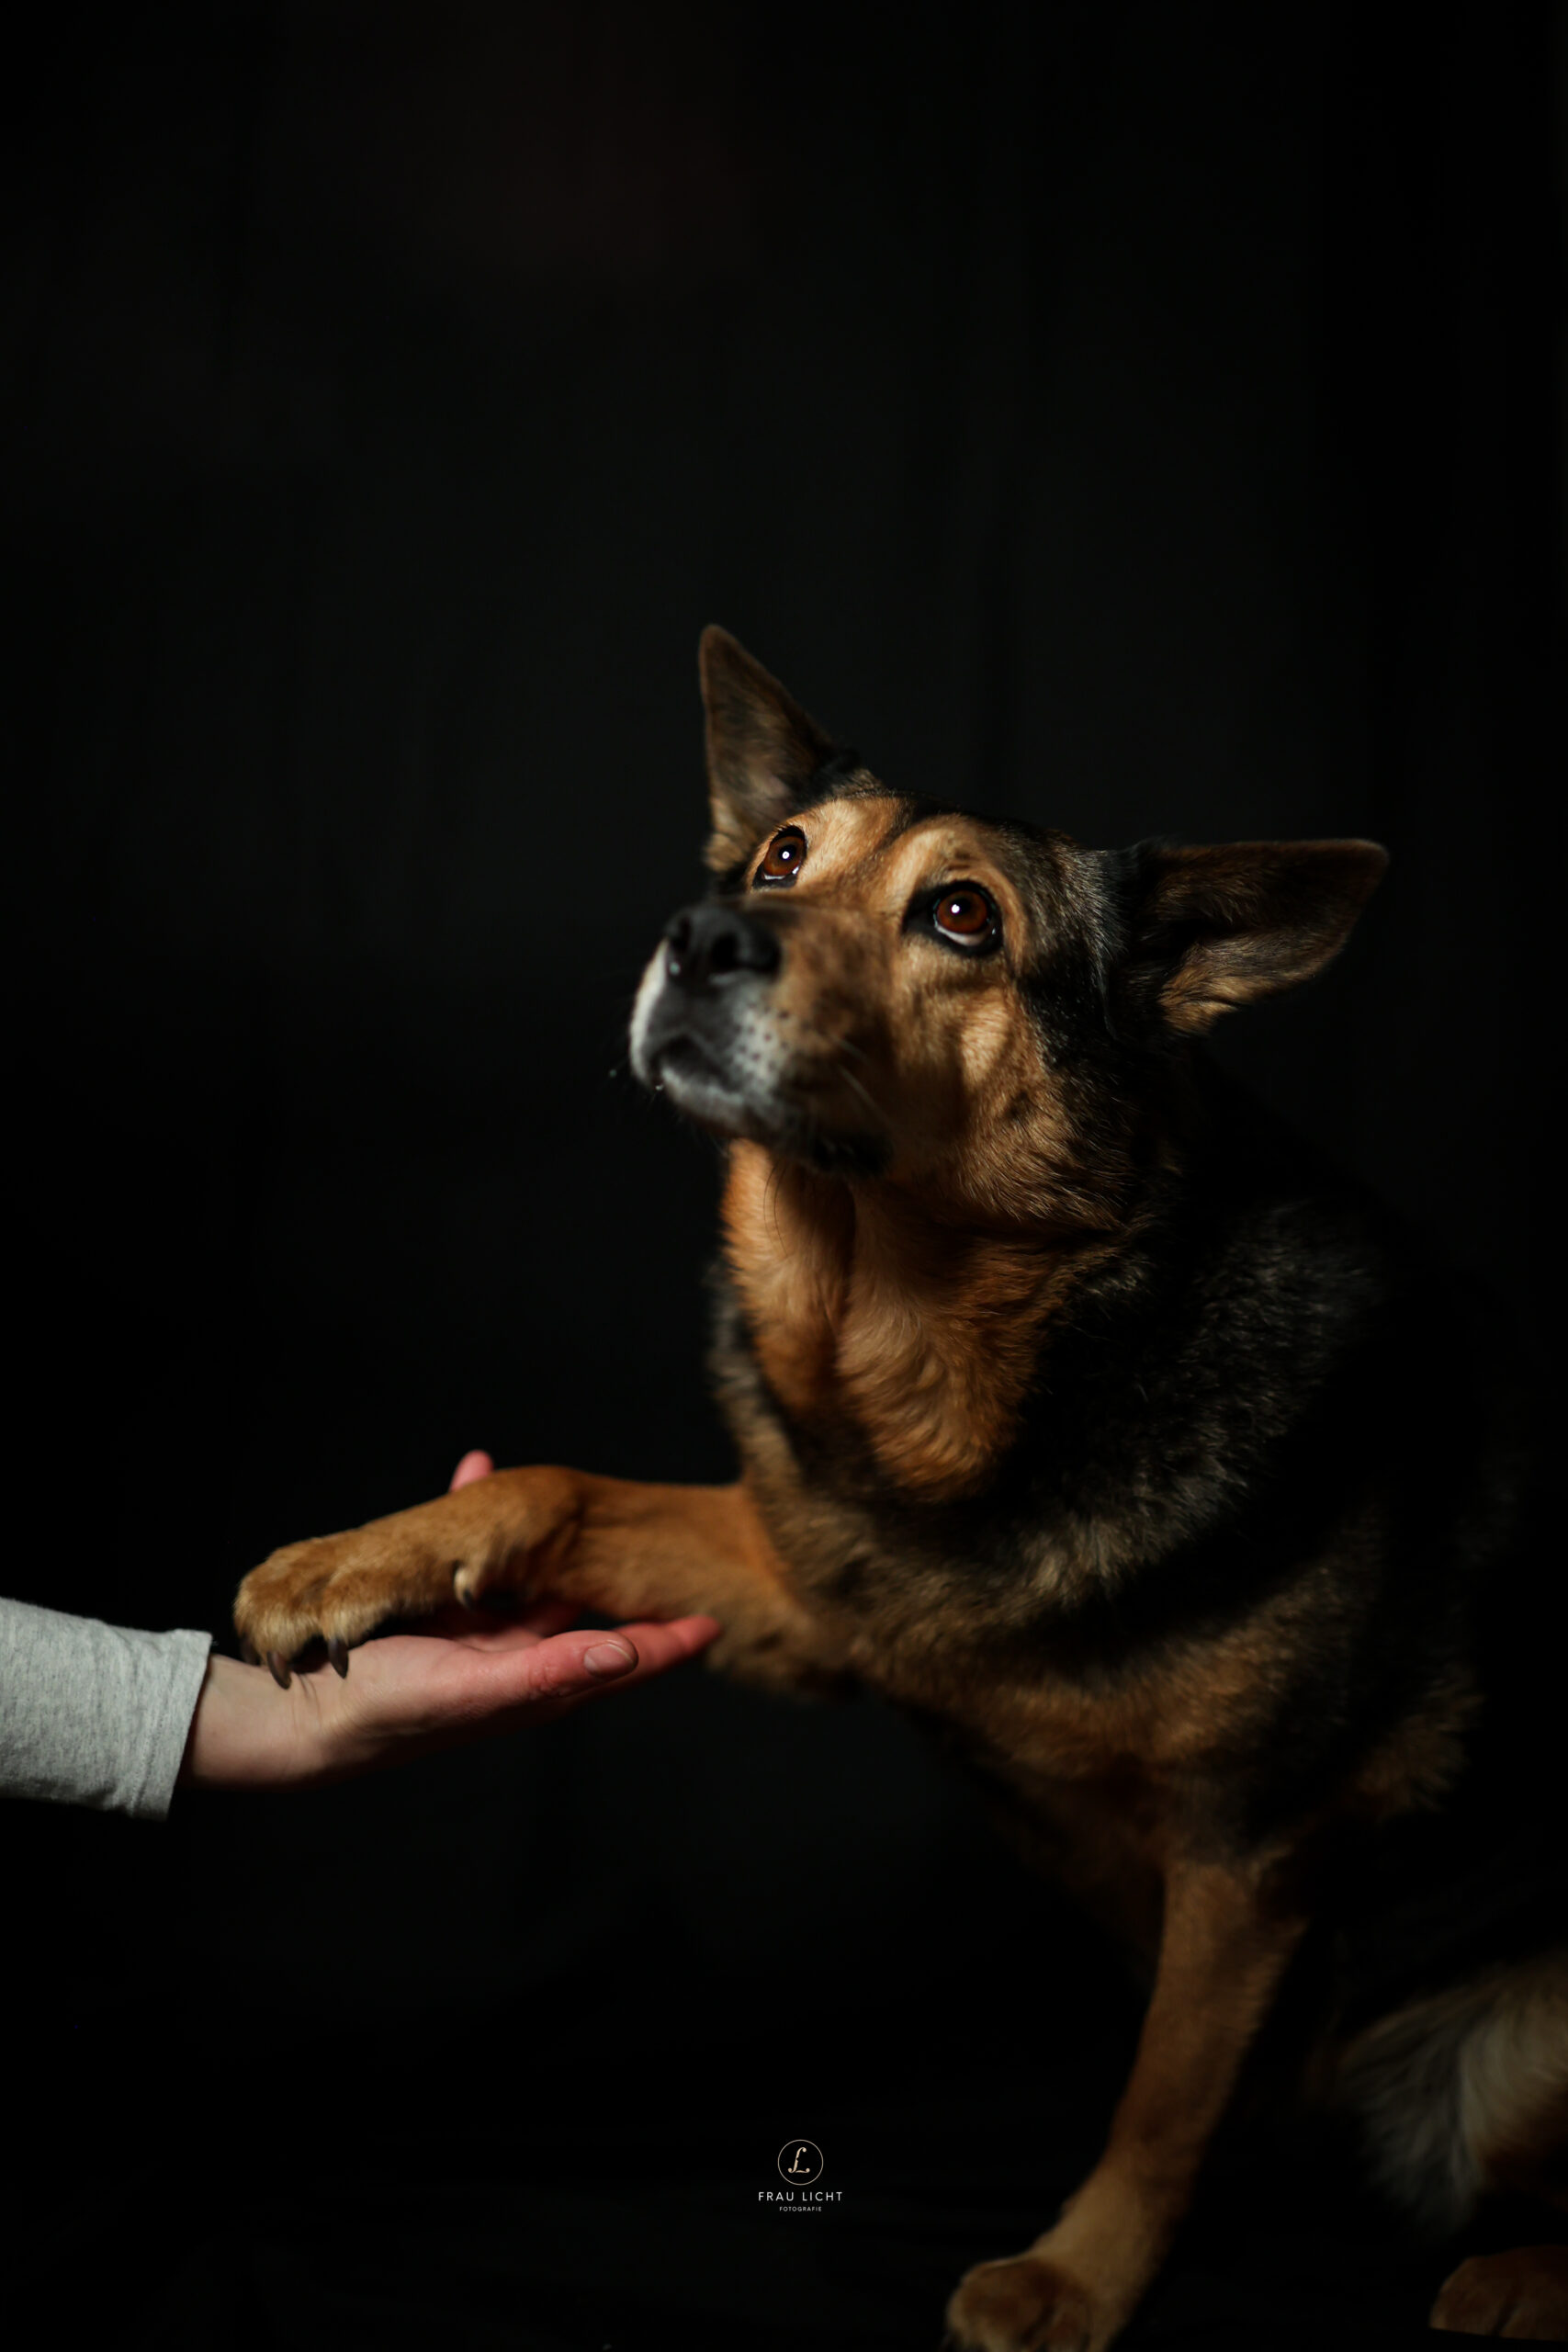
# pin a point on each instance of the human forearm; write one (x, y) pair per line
(91, 1713)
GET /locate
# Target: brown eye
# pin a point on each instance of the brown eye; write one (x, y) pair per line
(966, 915)
(785, 856)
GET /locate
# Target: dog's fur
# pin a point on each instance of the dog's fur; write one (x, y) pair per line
(1084, 1413)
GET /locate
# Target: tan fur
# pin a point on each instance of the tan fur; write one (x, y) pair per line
(926, 1336)
(935, 1046)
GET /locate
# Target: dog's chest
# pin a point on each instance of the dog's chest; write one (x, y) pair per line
(956, 1648)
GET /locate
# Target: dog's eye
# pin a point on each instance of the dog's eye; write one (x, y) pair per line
(966, 915)
(785, 856)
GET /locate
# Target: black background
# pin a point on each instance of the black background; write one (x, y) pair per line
(1141, 419)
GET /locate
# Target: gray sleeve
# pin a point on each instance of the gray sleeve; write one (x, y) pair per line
(92, 1713)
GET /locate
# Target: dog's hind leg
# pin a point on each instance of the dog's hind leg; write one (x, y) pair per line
(1522, 2294)
(1223, 1951)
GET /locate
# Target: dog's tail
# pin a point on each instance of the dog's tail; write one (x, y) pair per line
(1464, 2092)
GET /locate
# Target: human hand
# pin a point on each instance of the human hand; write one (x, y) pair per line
(410, 1693)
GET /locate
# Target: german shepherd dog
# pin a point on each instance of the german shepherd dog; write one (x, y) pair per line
(1083, 1414)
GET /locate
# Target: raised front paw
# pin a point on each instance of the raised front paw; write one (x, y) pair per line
(335, 1589)
(501, 1532)
(1022, 2303)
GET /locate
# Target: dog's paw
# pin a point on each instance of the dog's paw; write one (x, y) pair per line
(494, 1540)
(338, 1588)
(1522, 2294)
(1021, 2304)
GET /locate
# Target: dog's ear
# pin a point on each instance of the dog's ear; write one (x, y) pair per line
(762, 750)
(1214, 928)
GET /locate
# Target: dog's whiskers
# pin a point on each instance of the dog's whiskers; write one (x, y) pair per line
(852, 1082)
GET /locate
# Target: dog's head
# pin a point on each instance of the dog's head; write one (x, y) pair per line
(885, 986)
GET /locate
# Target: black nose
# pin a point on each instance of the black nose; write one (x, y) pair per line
(714, 942)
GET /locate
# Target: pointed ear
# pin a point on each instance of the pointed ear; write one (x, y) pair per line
(1217, 927)
(762, 749)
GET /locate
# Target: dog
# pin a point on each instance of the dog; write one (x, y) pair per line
(1084, 1413)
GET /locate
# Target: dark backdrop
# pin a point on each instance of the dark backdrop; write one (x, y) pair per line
(1138, 418)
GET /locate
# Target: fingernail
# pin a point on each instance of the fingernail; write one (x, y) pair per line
(606, 1659)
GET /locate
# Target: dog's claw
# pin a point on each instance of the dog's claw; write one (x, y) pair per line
(337, 1650)
(280, 1673)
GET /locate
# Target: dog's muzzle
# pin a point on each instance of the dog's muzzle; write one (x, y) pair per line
(701, 1030)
